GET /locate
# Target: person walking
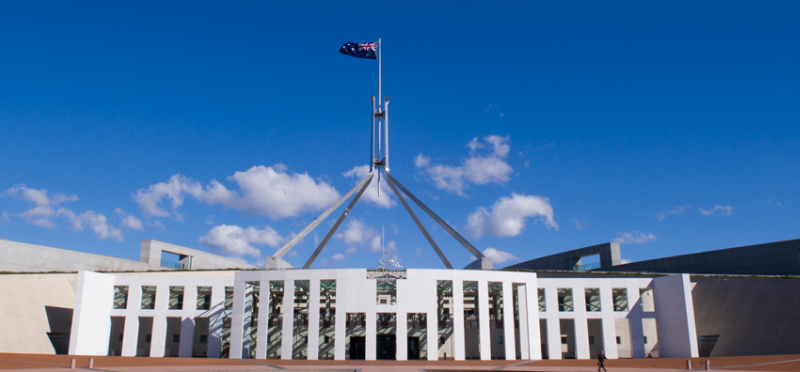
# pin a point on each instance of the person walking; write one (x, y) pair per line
(600, 359)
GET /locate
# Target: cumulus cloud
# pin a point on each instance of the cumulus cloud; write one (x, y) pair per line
(507, 216)
(634, 238)
(371, 194)
(674, 211)
(478, 169)
(719, 210)
(337, 257)
(238, 241)
(129, 221)
(269, 191)
(499, 256)
(359, 235)
(99, 224)
(45, 207)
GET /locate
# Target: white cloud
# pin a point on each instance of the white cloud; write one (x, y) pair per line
(674, 211)
(4, 218)
(337, 257)
(45, 208)
(418, 252)
(634, 238)
(99, 224)
(476, 169)
(506, 217)
(234, 240)
(499, 256)
(129, 221)
(578, 225)
(157, 225)
(718, 210)
(269, 191)
(356, 232)
(359, 235)
(775, 202)
(371, 194)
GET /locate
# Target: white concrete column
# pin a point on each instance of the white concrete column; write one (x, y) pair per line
(371, 335)
(483, 316)
(458, 320)
(509, 337)
(159, 338)
(313, 319)
(263, 319)
(524, 346)
(340, 329)
(433, 334)
(369, 298)
(287, 332)
(432, 316)
(187, 333)
(553, 325)
(635, 321)
(401, 351)
(582, 336)
(534, 333)
(609, 333)
(553, 334)
(237, 319)
(130, 338)
(216, 316)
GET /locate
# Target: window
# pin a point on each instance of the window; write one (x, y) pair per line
(120, 337)
(564, 340)
(147, 339)
(121, 297)
(228, 298)
(176, 298)
(176, 339)
(620, 299)
(542, 301)
(565, 299)
(619, 341)
(592, 299)
(203, 339)
(203, 298)
(591, 340)
(148, 297)
(645, 339)
(499, 340)
(386, 291)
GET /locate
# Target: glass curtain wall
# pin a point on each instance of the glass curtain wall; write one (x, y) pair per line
(472, 339)
(496, 320)
(444, 303)
(327, 319)
(252, 297)
(275, 322)
(300, 322)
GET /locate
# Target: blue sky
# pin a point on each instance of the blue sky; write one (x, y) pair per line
(531, 127)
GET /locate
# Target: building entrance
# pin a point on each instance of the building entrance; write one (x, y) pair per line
(413, 348)
(358, 346)
(387, 347)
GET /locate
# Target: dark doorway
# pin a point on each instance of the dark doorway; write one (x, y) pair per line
(387, 346)
(358, 346)
(413, 348)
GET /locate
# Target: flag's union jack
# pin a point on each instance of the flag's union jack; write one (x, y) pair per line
(364, 50)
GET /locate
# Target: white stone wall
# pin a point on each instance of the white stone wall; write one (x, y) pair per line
(94, 309)
(355, 293)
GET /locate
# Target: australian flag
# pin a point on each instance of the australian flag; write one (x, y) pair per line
(365, 50)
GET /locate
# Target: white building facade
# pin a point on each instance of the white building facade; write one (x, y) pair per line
(345, 314)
